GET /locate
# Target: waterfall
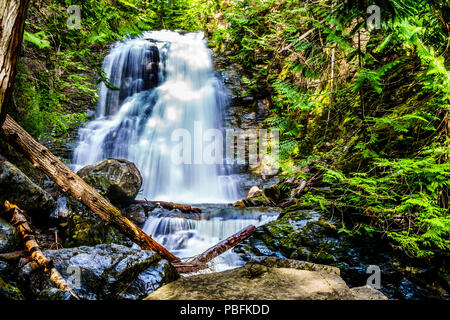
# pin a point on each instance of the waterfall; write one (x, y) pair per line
(164, 81)
(159, 83)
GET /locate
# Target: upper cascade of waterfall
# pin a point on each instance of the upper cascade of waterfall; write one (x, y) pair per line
(164, 82)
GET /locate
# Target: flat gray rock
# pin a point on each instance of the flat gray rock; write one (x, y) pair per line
(257, 282)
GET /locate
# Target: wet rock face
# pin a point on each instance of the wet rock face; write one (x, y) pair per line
(257, 282)
(18, 189)
(101, 272)
(9, 239)
(117, 179)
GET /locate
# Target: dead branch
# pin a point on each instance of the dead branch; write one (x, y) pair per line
(17, 218)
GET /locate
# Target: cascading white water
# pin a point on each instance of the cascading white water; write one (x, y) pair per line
(166, 83)
(189, 237)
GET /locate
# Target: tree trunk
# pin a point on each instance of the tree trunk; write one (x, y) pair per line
(44, 160)
(12, 20)
(16, 217)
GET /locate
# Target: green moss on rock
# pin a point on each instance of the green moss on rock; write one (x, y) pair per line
(9, 291)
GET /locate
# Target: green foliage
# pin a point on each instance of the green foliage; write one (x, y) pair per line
(378, 129)
(39, 39)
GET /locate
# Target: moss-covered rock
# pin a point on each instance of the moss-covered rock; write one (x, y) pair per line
(257, 200)
(277, 192)
(9, 291)
(117, 179)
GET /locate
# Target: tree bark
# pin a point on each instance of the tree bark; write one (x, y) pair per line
(44, 160)
(19, 221)
(12, 20)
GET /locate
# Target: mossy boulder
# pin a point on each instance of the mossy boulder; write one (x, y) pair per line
(102, 272)
(117, 179)
(277, 192)
(257, 200)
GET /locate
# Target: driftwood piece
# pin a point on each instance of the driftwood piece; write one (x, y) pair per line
(19, 221)
(56, 170)
(185, 208)
(200, 262)
(225, 245)
(12, 20)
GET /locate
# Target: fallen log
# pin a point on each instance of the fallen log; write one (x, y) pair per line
(200, 262)
(185, 208)
(17, 218)
(56, 170)
(224, 245)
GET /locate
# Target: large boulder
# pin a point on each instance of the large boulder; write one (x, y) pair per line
(9, 239)
(117, 179)
(101, 272)
(17, 188)
(257, 282)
